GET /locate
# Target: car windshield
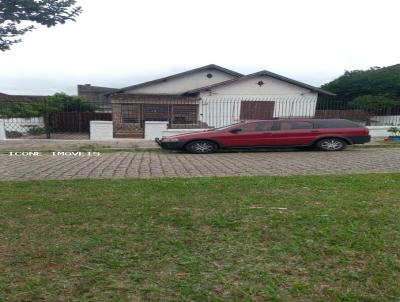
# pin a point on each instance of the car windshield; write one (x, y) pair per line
(224, 127)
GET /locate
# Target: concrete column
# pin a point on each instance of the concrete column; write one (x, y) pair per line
(2, 130)
(154, 129)
(101, 130)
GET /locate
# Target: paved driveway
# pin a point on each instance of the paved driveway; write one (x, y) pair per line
(159, 164)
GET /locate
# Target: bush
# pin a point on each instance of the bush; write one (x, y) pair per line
(13, 134)
(36, 131)
(394, 130)
(60, 102)
(373, 103)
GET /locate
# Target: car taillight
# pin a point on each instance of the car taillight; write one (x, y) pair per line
(366, 130)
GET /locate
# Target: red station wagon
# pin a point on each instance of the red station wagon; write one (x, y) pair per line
(326, 135)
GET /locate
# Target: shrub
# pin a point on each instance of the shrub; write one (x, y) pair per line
(36, 131)
(13, 134)
(394, 130)
(59, 102)
(373, 103)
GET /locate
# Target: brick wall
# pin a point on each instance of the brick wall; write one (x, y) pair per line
(130, 111)
(96, 95)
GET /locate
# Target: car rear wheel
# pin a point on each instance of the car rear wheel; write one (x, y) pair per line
(331, 144)
(201, 147)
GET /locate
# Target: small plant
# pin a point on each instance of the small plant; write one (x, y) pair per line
(37, 131)
(13, 134)
(394, 130)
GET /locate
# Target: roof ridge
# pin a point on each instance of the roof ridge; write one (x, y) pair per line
(144, 84)
(263, 72)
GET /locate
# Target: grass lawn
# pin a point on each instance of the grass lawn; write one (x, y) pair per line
(303, 238)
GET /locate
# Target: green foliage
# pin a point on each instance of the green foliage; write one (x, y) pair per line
(394, 130)
(37, 131)
(373, 103)
(22, 110)
(43, 12)
(60, 102)
(375, 81)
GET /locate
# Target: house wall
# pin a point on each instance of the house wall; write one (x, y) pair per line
(184, 83)
(221, 105)
(95, 94)
(136, 130)
(271, 87)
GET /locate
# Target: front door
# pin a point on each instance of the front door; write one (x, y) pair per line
(256, 110)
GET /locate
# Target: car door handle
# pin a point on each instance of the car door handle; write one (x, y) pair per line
(315, 131)
(267, 133)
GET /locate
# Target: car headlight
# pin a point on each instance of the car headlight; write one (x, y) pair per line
(170, 139)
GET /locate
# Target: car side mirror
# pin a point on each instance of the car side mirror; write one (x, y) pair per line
(236, 130)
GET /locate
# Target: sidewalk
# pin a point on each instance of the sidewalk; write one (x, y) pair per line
(168, 164)
(46, 145)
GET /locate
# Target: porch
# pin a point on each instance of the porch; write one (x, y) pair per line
(131, 111)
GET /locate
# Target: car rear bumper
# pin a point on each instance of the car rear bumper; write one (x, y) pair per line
(360, 139)
(169, 145)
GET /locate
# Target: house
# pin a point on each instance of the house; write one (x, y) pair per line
(7, 98)
(209, 96)
(97, 95)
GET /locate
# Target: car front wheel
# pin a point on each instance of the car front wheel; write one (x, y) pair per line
(201, 147)
(331, 144)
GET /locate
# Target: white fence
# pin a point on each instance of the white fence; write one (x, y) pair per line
(390, 120)
(218, 111)
(23, 125)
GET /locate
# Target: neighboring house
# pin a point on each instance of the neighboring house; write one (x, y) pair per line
(96, 95)
(7, 98)
(209, 96)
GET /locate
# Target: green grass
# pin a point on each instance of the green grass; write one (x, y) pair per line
(307, 238)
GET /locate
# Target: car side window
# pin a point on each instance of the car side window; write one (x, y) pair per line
(296, 125)
(258, 126)
(324, 124)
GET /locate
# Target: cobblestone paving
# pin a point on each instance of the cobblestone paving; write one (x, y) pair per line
(159, 164)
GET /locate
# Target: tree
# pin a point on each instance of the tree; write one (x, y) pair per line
(373, 104)
(59, 102)
(375, 81)
(17, 16)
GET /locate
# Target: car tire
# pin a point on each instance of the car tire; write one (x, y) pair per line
(201, 147)
(331, 144)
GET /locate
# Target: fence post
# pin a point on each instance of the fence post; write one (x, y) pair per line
(369, 118)
(46, 119)
(2, 130)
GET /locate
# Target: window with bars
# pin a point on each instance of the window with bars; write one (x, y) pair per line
(184, 114)
(156, 112)
(130, 113)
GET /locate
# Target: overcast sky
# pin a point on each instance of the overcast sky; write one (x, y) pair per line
(123, 42)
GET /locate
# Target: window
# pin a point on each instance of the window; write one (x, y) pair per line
(336, 124)
(155, 112)
(130, 113)
(184, 114)
(259, 126)
(296, 125)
